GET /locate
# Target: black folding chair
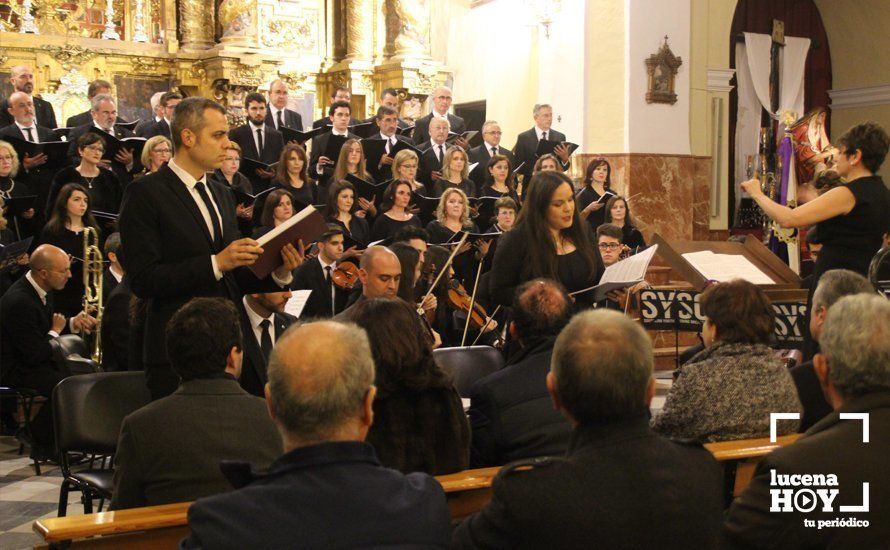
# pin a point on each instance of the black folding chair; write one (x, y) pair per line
(88, 411)
(468, 364)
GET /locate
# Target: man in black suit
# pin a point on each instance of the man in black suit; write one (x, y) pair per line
(28, 325)
(854, 370)
(31, 172)
(116, 328)
(263, 322)
(647, 491)
(278, 114)
(258, 140)
(321, 166)
(491, 145)
(327, 299)
(182, 237)
(168, 103)
(104, 115)
(433, 153)
(441, 104)
(170, 450)
(328, 490)
(157, 114)
(387, 121)
(527, 142)
(340, 93)
(511, 414)
(114, 273)
(22, 80)
(389, 97)
(95, 88)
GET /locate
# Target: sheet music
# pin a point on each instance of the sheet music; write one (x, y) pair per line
(725, 267)
(629, 269)
(297, 302)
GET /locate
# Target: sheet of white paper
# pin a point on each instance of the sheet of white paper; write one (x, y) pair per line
(297, 302)
(725, 267)
(632, 268)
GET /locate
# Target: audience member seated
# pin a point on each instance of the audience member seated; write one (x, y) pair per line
(728, 390)
(328, 490)
(170, 451)
(620, 485)
(419, 422)
(511, 414)
(854, 367)
(833, 285)
(25, 352)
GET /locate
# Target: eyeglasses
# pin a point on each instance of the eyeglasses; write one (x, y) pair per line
(6, 157)
(165, 151)
(97, 148)
(609, 246)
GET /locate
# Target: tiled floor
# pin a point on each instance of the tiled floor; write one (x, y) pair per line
(25, 497)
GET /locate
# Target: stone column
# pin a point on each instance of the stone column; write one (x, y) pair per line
(359, 29)
(407, 28)
(196, 24)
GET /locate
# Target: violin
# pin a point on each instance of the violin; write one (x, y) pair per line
(461, 301)
(345, 275)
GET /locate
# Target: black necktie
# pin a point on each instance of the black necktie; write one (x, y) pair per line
(330, 281)
(280, 122)
(543, 136)
(259, 140)
(265, 339)
(441, 153)
(494, 151)
(30, 135)
(217, 230)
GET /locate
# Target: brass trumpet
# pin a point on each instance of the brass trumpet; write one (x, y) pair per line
(93, 270)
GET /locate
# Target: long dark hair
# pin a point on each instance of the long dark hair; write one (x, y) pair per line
(402, 352)
(281, 174)
(408, 257)
(594, 164)
(331, 211)
(273, 199)
(628, 222)
(59, 216)
(389, 196)
(511, 178)
(532, 225)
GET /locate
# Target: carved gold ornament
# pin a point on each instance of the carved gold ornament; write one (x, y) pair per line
(69, 55)
(662, 70)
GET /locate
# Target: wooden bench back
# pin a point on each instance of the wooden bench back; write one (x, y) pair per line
(156, 527)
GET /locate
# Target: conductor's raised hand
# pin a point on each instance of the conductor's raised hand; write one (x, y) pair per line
(238, 253)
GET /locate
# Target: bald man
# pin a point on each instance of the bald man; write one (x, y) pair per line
(22, 80)
(278, 114)
(328, 490)
(441, 104)
(27, 328)
(380, 272)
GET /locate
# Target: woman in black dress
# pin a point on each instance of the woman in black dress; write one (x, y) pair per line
(499, 180)
(455, 173)
(102, 185)
(291, 173)
(452, 218)
(549, 240)
(342, 209)
(70, 215)
(618, 213)
(278, 208)
(851, 218)
(228, 175)
(597, 190)
(21, 224)
(396, 216)
(350, 161)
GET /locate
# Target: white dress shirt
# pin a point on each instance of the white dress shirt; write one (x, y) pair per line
(33, 127)
(256, 319)
(42, 295)
(253, 130)
(540, 133)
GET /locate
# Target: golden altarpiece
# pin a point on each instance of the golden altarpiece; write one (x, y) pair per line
(222, 49)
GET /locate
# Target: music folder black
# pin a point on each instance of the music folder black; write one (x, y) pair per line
(109, 216)
(18, 205)
(365, 129)
(402, 145)
(367, 190)
(426, 205)
(407, 131)
(56, 151)
(471, 237)
(62, 133)
(289, 134)
(249, 166)
(113, 144)
(374, 149)
(127, 125)
(473, 137)
(485, 207)
(332, 149)
(546, 147)
(10, 253)
(518, 168)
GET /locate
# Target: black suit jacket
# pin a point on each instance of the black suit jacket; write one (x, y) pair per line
(482, 155)
(46, 116)
(168, 252)
(319, 144)
(335, 484)
(527, 144)
(116, 328)
(831, 446)
(253, 366)
(24, 342)
(310, 276)
(809, 390)
(292, 119)
(144, 127)
(159, 128)
(273, 143)
(422, 127)
(604, 492)
(84, 118)
(170, 451)
(429, 163)
(384, 173)
(37, 179)
(512, 415)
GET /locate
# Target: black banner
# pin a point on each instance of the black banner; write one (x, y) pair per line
(679, 310)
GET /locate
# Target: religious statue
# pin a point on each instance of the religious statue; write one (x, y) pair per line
(407, 27)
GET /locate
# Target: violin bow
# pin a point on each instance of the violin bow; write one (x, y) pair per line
(444, 268)
(463, 340)
(485, 326)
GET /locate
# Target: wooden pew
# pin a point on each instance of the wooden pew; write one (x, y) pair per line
(157, 527)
